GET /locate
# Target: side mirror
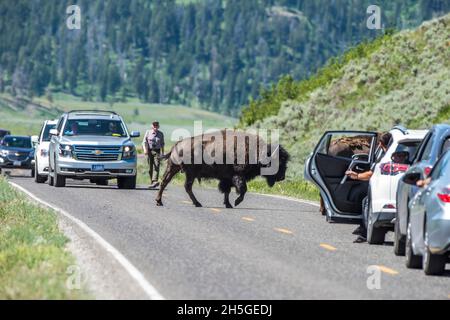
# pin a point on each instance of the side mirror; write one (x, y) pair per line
(135, 134)
(34, 139)
(401, 157)
(411, 178)
(53, 132)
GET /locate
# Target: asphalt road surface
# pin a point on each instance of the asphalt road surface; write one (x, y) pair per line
(267, 248)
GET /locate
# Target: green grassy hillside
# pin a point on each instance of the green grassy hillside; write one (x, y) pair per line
(26, 118)
(398, 79)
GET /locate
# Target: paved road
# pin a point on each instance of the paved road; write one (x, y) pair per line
(268, 248)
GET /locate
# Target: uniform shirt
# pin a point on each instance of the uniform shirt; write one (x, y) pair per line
(154, 140)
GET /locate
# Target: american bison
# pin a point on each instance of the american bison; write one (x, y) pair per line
(232, 157)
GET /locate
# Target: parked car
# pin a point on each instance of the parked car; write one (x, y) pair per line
(94, 145)
(17, 152)
(41, 153)
(436, 142)
(428, 232)
(3, 133)
(342, 197)
(381, 205)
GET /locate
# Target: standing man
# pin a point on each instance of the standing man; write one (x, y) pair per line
(153, 145)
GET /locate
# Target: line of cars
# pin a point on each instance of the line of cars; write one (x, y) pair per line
(82, 145)
(408, 193)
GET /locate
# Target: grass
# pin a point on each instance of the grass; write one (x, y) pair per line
(33, 259)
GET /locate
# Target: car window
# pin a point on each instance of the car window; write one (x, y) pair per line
(46, 134)
(60, 124)
(446, 145)
(17, 142)
(410, 147)
(426, 153)
(441, 167)
(95, 127)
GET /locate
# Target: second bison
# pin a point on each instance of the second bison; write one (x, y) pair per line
(232, 157)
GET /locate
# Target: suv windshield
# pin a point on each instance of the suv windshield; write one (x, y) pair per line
(17, 142)
(94, 127)
(46, 134)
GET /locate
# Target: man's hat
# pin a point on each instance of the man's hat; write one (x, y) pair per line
(155, 123)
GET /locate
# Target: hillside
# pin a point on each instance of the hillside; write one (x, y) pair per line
(22, 116)
(397, 79)
(209, 53)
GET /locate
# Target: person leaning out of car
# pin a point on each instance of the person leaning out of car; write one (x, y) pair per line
(153, 145)
(383, 144)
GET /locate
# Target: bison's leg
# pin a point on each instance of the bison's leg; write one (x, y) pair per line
(241, 187)
(171, 171)
(188, 187)
(225, 188)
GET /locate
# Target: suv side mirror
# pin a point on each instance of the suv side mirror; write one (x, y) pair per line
(401, 157)
(411, 178)
(53, 132)
(34, 140)
(135, 134)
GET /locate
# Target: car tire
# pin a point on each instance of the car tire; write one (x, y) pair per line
(127, 183)
(375, 235)
(37, 177)
(433, 264)
(399, 240)
(33, 172)
(413, 261)
(51, 180)
(60, 181)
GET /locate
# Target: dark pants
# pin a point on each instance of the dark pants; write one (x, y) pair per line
(154, 164)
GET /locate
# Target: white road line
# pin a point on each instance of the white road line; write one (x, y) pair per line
(151, 292)
(313, 203)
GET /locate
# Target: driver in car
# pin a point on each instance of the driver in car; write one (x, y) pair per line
(361, 193)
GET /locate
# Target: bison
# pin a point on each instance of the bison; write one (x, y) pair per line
(229, 156)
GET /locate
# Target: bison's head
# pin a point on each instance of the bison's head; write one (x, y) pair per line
(282, 156)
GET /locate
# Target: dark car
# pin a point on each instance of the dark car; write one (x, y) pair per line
(17, 152)
(435, 143)
(4, 132)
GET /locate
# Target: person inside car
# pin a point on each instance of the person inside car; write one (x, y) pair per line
(361, 193)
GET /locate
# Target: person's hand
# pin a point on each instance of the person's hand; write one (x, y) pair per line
(352, 174)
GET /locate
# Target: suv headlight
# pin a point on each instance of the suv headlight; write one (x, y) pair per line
(65, 150)
(4, 153)
(129, 152)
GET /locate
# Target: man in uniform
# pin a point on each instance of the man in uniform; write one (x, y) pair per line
(153, 145)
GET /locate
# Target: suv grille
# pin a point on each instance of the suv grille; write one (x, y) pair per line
(18, 156)
(97, 153)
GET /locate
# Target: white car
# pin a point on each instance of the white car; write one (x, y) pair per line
(41, 153)
(381, 205)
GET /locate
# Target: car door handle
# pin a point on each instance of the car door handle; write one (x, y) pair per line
(313, 171)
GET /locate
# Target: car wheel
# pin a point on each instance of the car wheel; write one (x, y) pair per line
(413, 261)
(60, 181)
(33, 172)
(126, 183)
(375, 235)
(433, 264)
(399, 240)
(37, 177)
(51, 180)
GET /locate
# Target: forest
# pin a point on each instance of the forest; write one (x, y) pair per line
(218, 55)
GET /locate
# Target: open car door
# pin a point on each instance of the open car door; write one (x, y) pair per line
(337, 152)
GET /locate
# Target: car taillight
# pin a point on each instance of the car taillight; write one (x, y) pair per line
(393, 169)
(444, 195)
(427, 170)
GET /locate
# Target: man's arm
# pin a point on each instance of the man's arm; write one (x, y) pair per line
(144, 143)
(365, 176)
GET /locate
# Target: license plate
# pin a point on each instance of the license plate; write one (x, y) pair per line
(98, 168)
(17, 164)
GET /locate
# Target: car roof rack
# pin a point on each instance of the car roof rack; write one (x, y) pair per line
(401, 128)
(92, 111)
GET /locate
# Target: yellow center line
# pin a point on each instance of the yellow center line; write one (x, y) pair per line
(215, 210)
(388, 270)
(248, 219)
(328, 247)
(286, 231)
(448, 296)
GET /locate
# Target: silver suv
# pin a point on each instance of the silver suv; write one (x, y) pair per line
(92, 145)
